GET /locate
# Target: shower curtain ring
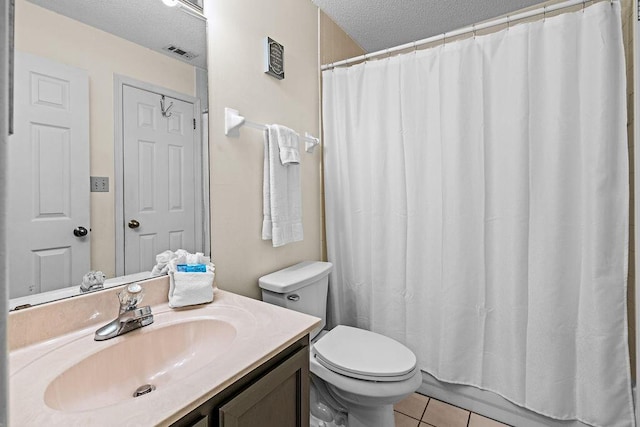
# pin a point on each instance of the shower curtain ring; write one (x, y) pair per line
(444, 38)
(544, 13)
(508, 22)
(474, 31)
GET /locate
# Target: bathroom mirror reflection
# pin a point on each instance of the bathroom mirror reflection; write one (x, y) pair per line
(108, 164)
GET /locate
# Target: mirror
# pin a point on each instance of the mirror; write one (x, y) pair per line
(109, 159)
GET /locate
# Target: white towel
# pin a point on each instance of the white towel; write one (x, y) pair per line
(162, 263)
(190, 288)
(186, 288)
(166, 261)
(183, 257)
(282, 195)
(287, 140)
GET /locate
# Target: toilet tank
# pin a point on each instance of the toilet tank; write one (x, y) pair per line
(302, 287)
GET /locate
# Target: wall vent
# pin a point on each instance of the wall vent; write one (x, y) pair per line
(178, 51)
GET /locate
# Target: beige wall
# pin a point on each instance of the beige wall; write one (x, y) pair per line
(236, 33)
(44, 33)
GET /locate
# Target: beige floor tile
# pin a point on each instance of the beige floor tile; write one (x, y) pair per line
(404, 421)
(480, 421)
(413, 405)
(440, 414)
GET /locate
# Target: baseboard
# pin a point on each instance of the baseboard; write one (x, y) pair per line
(488, 404)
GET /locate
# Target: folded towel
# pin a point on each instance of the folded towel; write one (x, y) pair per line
(183, 257)
(190, 288)
(166, 261)
(186, 288)
(282, 196)
(287, 140)
(162, 263)
(189, 258)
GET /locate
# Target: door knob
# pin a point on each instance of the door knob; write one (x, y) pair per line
(80, 232)
(134, 224)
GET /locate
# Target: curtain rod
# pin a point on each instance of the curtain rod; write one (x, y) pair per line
(470, 29)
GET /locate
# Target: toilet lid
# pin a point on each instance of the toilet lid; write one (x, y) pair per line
(363, 354)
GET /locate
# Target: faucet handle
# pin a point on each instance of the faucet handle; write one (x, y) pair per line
(130, 296)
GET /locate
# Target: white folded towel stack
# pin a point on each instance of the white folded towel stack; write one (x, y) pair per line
(282, 194)
(186, 288)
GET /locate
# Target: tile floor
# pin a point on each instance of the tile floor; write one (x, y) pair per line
(423, 411)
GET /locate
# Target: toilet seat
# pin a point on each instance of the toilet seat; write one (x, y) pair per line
(364, 355)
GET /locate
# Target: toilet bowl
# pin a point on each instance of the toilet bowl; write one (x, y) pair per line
(365, 372)
(362, 373)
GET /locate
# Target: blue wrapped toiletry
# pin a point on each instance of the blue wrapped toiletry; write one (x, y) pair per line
(191, 268)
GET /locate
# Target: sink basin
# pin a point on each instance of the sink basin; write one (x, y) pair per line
(190, 355)
(155, 356)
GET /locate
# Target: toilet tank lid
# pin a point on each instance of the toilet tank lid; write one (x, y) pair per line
(295, 277)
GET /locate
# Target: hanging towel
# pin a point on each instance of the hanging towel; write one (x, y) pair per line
(282, 197)
(287, 143)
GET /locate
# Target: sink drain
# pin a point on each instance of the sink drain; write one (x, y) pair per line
(144, 389)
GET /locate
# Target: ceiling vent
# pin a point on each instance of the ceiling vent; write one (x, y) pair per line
(182, 53)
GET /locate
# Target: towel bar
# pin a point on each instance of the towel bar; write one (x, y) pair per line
(233, 121)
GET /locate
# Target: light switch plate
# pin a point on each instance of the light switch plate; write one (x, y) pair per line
(99, 184)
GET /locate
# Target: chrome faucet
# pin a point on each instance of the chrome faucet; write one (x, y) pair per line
(130, 316)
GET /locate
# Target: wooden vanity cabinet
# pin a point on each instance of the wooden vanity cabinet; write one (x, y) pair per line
(279, 398)
(276, 394)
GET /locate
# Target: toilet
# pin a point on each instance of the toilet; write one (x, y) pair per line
(357, 375)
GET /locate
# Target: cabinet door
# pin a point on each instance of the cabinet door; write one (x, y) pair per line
(203, 422)
(278, 399)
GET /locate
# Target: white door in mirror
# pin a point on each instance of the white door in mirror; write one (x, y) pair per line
(48, 177)
(159, 177)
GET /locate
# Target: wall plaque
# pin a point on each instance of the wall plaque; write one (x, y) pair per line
(274, 58)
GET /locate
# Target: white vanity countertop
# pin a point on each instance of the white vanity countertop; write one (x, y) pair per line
(261, 332)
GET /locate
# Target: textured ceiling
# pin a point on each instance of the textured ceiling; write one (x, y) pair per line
(146, 22)
(381, 24)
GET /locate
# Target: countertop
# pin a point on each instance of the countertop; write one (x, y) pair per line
(262, 331)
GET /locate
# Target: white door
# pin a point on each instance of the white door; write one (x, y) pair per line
(159, 177)
(48, 177)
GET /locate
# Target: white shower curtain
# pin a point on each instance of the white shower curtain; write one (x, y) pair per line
(477, 210)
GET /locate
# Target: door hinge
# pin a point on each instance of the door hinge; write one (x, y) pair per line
(194, 124)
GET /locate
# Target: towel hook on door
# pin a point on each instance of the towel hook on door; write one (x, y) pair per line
(165, 111)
